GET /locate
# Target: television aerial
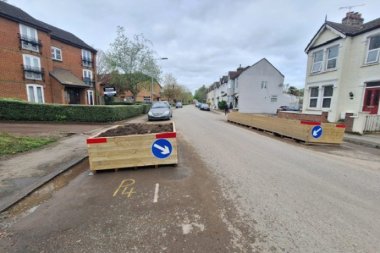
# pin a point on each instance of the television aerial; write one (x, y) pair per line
(350, 7)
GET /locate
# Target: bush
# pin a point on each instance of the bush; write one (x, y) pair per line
(17, 110)
(222, 105)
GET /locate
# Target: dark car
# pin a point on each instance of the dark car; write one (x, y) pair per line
(160, 110)
(293, 108)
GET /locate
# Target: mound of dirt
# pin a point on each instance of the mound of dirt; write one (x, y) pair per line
(137, 128)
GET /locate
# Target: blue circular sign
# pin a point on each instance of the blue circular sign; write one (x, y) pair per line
(162, 148)
(316, 132)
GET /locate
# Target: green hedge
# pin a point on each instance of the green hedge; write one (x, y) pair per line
(17, 110)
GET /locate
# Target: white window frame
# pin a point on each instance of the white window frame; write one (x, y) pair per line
(322, 65)
(377, 50)
(320, 98)
(90, 97)
(264, 84)
(332, 58)
(30, 33)
(85, 75)
(318, 63)
(273, 98)
(54, 54)
(317, 97)
(35, 95)
(323, 97)
(86, 54)
(32, 57)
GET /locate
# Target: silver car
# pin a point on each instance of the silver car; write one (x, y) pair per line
(160, 110)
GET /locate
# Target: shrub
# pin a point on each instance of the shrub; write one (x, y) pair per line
(222, 105)
(17, 110)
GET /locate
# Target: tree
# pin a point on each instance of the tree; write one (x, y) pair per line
(131, 62)
(201, 94)
(170, 89)
(102, 67)
(293, 91)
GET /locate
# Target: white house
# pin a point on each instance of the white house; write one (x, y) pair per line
(343, 70)
(217, 92)
(233, 87)
(260, 89)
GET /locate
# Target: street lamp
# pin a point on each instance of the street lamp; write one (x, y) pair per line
(151, 85)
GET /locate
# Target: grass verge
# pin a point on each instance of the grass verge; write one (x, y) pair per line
(10, 144)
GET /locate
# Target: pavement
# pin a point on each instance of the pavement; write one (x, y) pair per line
(369, 140)
(23, 173)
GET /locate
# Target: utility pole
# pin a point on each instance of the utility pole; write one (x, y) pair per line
(151, 84)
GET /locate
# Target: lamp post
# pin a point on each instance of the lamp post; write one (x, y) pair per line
(151, 85)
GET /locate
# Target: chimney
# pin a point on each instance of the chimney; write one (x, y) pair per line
(353, 19)
(239, 68)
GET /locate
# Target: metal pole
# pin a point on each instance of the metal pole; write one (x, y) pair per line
(151, 91)
(151, 85)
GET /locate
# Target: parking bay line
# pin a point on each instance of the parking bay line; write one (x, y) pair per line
(155, 199)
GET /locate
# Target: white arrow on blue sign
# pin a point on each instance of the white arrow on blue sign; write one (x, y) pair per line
(162, 148)
(316, 132)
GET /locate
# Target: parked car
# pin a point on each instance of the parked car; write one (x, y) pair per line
(197, 104)
(294, 108)
(160, 110)
(204, 107)
(178, 105)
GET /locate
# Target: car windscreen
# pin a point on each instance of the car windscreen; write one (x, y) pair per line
(160, 106)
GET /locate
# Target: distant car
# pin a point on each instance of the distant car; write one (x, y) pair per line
(293, 108)
(178, 105)
(204, 107)
(160, 110)
(197, 104)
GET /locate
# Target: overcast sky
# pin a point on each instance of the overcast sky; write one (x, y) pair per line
(204, 39)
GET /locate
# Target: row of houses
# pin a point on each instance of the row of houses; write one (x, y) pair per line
(253, 89)
(342, 79)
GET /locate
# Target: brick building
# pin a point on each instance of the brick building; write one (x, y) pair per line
(143, 96)
(41, 63)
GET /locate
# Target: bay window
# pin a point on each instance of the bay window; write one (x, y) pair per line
(321, 96)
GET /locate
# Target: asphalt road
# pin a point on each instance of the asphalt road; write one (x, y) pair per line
(234, 190)
(294, 198)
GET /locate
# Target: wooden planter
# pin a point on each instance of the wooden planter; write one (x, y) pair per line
(129, 150)
(330, 133)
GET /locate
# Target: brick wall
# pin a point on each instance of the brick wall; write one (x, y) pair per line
(300, 116)
(349, 122)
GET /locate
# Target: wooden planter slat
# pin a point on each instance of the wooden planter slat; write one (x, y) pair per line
(127, 151)
(296, 129)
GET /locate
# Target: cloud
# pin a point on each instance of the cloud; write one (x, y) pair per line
(203, 39)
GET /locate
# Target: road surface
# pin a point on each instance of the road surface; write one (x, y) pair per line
(295, 198)
(234, 190)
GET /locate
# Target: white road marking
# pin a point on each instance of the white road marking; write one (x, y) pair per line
(155, 199)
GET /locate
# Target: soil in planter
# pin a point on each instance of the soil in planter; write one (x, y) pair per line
(134, 128)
